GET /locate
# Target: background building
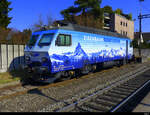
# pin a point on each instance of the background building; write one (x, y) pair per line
(114, 23)
(119, 24)
(145, 35)
(107, 22)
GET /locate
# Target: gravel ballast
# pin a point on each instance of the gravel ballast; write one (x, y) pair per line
(39, 100)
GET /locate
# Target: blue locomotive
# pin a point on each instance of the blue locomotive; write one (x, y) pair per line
(72, 49)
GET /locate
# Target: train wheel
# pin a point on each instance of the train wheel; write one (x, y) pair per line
(124, 62)
(119, 63)
(94, 68)
(86, 69)
(78, 73)
(99, 66)
(57, 76)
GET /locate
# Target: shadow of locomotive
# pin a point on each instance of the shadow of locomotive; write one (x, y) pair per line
(16, 70)
(39, 92)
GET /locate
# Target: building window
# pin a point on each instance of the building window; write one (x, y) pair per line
(126, 24)
(123, 32)
(121, 23)
(64, 40)
(126, 33)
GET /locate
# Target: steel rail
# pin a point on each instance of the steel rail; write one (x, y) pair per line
(73, 105)
(131, 96)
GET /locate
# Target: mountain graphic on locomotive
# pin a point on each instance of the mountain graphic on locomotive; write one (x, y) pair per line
(68, 50)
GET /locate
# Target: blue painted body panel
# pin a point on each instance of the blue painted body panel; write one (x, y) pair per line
(86, 48)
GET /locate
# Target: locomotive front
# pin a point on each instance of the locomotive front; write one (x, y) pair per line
(36, 53)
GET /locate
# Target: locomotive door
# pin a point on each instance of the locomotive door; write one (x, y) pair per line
(127, 49)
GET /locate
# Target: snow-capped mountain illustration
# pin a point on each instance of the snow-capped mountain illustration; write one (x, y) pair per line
(79, 53)
(78, 57)
(59, 57)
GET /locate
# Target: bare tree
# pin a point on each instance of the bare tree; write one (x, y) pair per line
(40, 24)
(50, 20)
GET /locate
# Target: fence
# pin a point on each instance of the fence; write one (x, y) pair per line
(11, 57)
(145, 54)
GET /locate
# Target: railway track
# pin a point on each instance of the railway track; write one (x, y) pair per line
(12, 91)
(19, 89)
(112, 98)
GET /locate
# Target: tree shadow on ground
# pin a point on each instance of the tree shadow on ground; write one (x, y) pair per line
(39, 92)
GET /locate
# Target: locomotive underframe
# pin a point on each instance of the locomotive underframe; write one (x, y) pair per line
(42, 74)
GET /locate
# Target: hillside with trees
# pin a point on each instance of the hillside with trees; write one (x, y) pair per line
(85, 13)
(4, 10)
(10, 35)
(89, 13)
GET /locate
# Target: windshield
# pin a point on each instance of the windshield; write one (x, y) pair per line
(33, 40)
(46, 40)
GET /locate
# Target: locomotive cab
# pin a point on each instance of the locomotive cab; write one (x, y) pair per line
(37, 52)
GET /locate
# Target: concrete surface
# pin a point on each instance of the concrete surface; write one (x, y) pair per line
(11, 60)
(144, 105)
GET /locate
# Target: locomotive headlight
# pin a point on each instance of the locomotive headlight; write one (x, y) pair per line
(27, 58)
(44, 59)
(43, 69)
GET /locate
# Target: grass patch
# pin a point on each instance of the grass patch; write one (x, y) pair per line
(148, 59)
(7, 78)
(14, 75)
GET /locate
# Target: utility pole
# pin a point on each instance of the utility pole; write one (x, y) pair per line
(140, 17)
(140, 32)
(140, 29)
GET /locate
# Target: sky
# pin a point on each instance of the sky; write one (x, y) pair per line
(26, 13)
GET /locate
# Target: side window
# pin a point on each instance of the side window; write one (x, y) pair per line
(64, 40)
(68, 40)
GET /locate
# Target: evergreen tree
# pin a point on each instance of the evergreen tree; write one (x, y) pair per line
(130, 16)
(84, 9)
(4, 10)
(70, 12)
(118, 11)
(108, 9)
(88, 5)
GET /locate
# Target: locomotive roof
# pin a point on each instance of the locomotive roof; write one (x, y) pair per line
(75, 27)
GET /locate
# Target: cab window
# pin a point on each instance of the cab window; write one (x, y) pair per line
(46, 40)
(32, 40)
(64, 40)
